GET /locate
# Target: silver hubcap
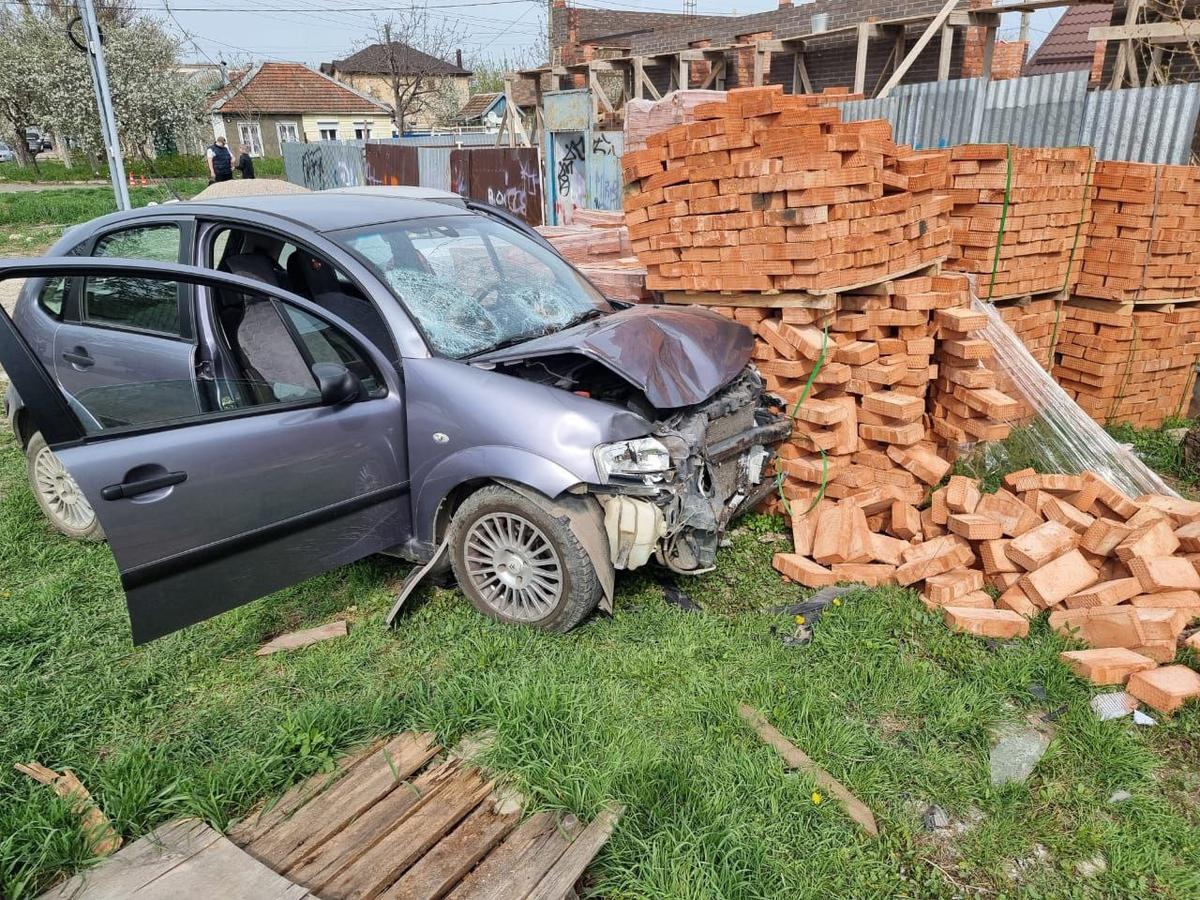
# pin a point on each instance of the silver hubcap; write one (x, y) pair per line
(61, 494)
(513, 566)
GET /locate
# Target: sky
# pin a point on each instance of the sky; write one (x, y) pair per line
(316, 31)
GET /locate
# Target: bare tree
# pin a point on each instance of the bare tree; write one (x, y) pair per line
(416, 49)
(1176, 60)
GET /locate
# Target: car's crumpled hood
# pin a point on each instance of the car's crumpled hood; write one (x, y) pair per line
(677, 356)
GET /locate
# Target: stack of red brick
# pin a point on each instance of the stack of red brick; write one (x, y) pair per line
(598, 244)
(1119, 574)
(1135, 367)
(1143, 242)
(771, 192)
(1032, 202)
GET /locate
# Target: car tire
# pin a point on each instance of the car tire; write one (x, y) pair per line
(519, 564)
(56, 492)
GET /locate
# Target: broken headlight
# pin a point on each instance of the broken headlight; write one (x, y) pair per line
(637, 458)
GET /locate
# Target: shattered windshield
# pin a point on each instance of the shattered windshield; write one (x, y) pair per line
(473, 284)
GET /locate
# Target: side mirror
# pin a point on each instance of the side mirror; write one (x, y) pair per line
(336, 383)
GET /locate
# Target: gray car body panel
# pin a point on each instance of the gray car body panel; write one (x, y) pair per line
(278, 495)
(677, 356)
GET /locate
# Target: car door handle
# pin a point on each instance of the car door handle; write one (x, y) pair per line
(79, 357)
(142, 485)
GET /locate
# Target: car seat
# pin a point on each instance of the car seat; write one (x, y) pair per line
(316, 279)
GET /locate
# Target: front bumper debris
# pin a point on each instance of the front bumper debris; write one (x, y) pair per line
(719, 450)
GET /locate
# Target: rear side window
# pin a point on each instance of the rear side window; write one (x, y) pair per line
(136, 303)
(53, 296)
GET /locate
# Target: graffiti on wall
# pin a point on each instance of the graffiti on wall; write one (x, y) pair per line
(391, 164)
(505, 177)
(572, 154)
(324, 165)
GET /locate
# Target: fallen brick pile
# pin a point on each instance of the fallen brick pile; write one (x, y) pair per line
(771, 192)
(896, 375)
(598, 245)
(1137, 367)
(1033, 202)
(1120, 574)
(1143, 241)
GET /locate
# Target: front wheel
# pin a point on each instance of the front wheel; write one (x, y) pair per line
(517, 563)
(60, 498)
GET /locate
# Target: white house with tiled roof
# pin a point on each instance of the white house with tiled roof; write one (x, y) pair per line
(272, 103)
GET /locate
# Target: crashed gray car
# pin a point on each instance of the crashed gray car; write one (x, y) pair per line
(242, 394)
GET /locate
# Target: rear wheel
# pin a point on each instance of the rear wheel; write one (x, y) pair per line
(58, 495)
(518, 563)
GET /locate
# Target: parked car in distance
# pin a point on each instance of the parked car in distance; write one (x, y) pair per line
(7, 154)
(241, 394)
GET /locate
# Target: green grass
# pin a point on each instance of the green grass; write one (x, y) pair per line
(173, 167)
(66, 206)
(638, 708)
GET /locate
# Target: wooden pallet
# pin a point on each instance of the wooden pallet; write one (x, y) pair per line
(820, 300)
(1128, 307)
(403, 820)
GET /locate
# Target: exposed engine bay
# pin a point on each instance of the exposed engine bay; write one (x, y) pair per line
(719, 450)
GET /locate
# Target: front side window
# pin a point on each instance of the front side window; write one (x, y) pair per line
(473, 284)
(288, 132)
(328, 131)
(137, 303)
(271, 348)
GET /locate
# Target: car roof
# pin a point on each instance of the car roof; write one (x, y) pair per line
(403, 192)
(320, 211)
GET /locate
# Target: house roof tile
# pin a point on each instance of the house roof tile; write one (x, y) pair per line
(1067, 46)
(373, 60)
(286, 87)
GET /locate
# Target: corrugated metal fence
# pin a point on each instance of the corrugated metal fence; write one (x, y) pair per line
(509, 177)
(1152, 124)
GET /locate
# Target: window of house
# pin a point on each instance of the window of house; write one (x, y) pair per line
(327, 131)
(362, 131)
(250, 134)
(142, 304)
(289, 132)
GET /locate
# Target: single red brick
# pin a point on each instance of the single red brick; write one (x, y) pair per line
(1107, 665)
(996, 623)
(1165, 689)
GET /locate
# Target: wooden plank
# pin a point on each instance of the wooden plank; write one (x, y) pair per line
(377, 869)
(324, 861)
(296, 639)
(926, 36)
(760, 66)
(182, 859)
(1125, 51)
(256, 825)
(753, 300)
(517, 865)
(945, 53)
(344, 801)
(800, 80)
(443, 867)
(97, 830)
(1164, 32)
(561, 878)
(795, 758)
(989, 51)
(860, 61)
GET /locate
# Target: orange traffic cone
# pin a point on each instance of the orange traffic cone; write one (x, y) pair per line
(145, 183)
(132, 183)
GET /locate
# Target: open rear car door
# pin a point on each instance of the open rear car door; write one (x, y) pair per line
(290, 460)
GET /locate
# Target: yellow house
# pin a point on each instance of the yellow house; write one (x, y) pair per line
(273, 103)
(432, 90)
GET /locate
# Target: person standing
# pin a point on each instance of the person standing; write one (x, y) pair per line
(220, 161)
(245, 164)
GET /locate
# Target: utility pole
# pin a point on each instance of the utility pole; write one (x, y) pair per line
(1024, 34)
(108, 119)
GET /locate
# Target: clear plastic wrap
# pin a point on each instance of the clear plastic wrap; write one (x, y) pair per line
(1055, 435)
(646, 117)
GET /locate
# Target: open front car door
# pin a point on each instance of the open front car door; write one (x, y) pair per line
(278, 454)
